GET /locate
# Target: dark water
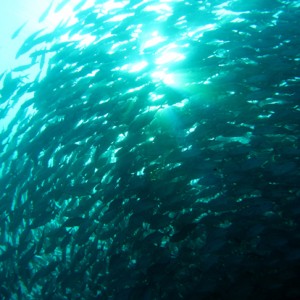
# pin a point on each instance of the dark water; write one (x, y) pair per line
(155, 155)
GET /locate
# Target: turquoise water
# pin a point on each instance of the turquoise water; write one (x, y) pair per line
(150, 150)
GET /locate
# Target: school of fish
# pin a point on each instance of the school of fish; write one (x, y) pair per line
(155, 153)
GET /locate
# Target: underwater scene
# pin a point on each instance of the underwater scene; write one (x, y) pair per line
(150, 149)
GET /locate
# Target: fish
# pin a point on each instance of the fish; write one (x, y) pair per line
(29, 43)
(75, 221)
(46, 12)
(10, 85)
(61, 5)
(18, 31)
(22, 68)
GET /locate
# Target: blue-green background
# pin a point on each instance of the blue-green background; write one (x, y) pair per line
(150, 150)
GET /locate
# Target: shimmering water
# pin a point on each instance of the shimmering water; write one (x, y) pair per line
(150, 150)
